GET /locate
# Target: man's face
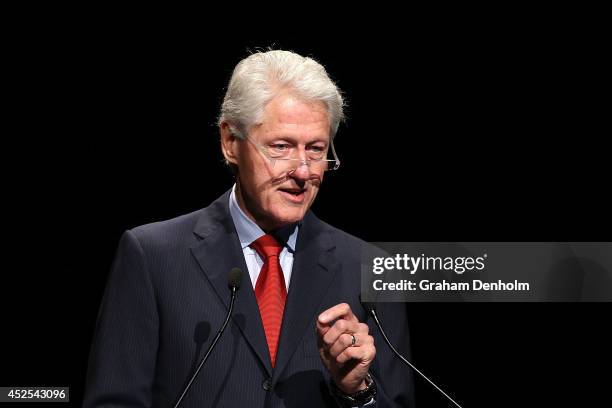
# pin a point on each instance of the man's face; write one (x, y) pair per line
(273, 196)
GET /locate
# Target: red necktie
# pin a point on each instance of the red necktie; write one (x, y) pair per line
(270, 290)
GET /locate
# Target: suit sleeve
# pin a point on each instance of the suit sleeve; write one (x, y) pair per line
(122, 360)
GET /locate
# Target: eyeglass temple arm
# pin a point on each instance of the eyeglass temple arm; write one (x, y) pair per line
(335, 155)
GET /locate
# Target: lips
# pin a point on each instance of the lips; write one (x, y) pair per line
(294, 195)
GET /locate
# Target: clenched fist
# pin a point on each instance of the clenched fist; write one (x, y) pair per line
(345, 346)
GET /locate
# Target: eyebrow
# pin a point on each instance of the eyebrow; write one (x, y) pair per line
(293, 139)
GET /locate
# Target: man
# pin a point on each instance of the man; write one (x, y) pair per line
(298, 336)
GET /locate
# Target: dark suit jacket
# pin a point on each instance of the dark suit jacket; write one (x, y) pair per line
(167, 296)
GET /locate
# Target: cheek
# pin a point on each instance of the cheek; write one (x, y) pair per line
(313, 193)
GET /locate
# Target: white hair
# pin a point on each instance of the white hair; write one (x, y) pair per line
(261, 76)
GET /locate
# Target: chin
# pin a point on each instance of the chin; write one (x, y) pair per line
(289, 218)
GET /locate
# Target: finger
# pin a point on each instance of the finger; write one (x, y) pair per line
(364, 354)
(343, 326)
(340, 311)
(322, 329)
(328, 317)
(345, 340)
(339, 328)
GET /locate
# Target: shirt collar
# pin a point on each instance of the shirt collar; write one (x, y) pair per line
(248, 231)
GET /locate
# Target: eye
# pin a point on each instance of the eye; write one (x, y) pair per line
(316, 149)
(280, 147)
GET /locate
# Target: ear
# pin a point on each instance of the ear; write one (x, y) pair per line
(229, 144)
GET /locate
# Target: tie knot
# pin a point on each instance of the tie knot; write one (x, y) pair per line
(267, 246)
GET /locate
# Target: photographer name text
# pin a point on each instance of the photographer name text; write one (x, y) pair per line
(427, 285)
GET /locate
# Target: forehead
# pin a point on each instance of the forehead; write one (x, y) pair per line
(286, 113)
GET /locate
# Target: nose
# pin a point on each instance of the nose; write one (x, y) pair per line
(302, 171)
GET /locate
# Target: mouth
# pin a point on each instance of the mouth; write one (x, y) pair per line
(293, 195)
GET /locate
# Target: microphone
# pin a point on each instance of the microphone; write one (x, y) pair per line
(233, 282)
(370, 307)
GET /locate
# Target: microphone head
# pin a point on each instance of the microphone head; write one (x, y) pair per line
(234, 278)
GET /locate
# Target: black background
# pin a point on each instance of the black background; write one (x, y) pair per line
(454, 136)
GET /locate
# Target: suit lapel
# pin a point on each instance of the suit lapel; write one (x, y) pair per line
(312, 273)
(217, 252)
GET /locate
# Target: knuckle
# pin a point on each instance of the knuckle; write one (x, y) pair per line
(341, 325)
(341, 358)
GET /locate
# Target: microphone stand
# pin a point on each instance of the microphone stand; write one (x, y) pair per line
(372, 312)
(212, 346)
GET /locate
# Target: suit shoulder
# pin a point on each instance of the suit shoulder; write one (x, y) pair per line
(172, 230)
(343, 238)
